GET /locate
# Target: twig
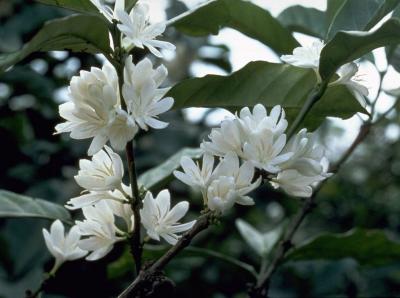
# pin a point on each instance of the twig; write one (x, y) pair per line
(133, 289)
(262, 285)
(42, 287)
(135, 239)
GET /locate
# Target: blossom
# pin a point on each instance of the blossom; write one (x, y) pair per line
(348, 77)
(193, 175)
(247, 127)
(160, 221)
(99, 230)
(307, 156)
(242, 177)
(91, 198)
(138, 32)
(143, 97)
(221, 194)
(227, 184)
(256, 122)
(64, 247)
(104, 172)
(224, 139)
(264, 150)
(294, 183)
(94, 110)
(104, 9)
(305, 57)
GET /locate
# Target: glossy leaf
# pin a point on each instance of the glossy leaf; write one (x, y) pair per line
(359, 15)
(267, 83)
(77, 5)
(79, 33)
(157, 175)
(243, 16)
(367, 247)
(348, 46)
(14, 205)
(305, 20)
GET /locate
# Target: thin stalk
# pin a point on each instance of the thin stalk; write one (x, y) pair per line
(201, 224)
(260, 290)
(135, 239)
(313, 98)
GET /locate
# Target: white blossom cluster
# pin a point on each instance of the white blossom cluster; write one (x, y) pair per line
(95, 111)
(259, 141)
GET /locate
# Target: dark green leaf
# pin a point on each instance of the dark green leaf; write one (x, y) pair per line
(267, 83)
(77, 5)
(243, 16)
(348, 46)
(129, 4)
(367, 247)
(305, 20)
(157, 175)
(359, 15)
(79, 33)
(14, 205)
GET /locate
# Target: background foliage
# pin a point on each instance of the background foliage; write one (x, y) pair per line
(365, 194)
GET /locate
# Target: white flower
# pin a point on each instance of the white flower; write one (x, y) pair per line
(100, 229)
(104, 172)
(63, 247)
(348, 77)
(160, 221)
(264, 150)
(307, 156)
(139, 33)
(221, 194)
(235, 133)
(193, 175)
(108, 13)
(227, 184)
(142, 94)
(305, 57)
(124, 211)
(294, 183)
(93, 197)
(256, 122)
(94, 110)
(242, 177)
(224, 139)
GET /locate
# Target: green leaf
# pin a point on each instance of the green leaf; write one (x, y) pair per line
(159, 174)
(79, 33)
(360, 15)
(14, 205)
(267, 83)
(129, 4)
(243, 16)
(77, 5)
(367, 247)
(305, 20)
(348, 46)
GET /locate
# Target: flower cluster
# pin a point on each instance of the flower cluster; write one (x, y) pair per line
(309, 56)
(259, 140)
(100, 109)
(95, 107)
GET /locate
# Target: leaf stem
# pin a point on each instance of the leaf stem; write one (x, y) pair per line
(313, 98)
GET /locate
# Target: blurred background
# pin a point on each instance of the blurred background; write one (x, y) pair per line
(40, 164)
